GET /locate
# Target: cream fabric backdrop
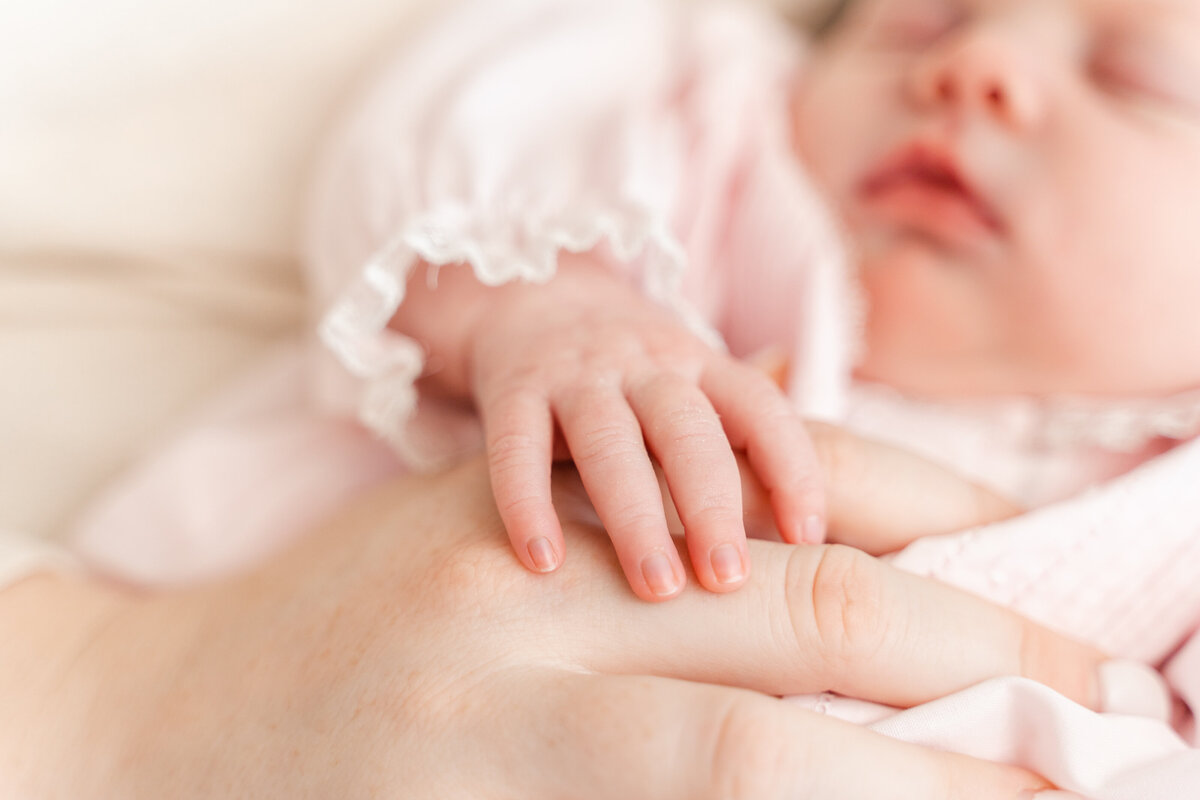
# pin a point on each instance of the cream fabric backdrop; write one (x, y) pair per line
(153, 155)
(152, 159)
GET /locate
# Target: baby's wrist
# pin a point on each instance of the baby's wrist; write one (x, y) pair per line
(447, 316)
(583, 281)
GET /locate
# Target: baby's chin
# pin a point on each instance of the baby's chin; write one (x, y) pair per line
(939, 375)
(935, 362)
(966, 382)
(931, 330)
(917, 377)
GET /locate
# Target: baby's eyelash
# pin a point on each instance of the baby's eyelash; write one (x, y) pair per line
(1120, 75)
(1107, 74)
(1145, 65)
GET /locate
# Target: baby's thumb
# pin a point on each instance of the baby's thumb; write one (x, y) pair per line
(881, 498)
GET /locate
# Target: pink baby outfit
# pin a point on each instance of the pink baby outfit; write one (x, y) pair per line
(513, 129)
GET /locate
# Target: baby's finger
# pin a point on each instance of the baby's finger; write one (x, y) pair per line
(662, 739)
(520, 433)
(606, 442)
(760, 420)
(686, 437)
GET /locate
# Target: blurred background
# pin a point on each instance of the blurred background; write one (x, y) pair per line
(153, 159)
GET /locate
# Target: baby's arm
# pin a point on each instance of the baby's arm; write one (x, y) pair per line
(508, 136)
(617, 379)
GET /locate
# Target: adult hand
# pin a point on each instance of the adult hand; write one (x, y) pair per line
(400, 652)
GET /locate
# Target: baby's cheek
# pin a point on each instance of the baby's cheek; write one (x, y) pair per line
(827, 138)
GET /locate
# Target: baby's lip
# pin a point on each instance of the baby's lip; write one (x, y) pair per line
(923, 184)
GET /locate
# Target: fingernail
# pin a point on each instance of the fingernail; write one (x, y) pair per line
(659, 575)
(1130, 687)
(1051, 794)
(727, 564)
(814, 529)
(542, 554)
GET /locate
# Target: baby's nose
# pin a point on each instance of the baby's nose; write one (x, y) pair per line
(984, 72)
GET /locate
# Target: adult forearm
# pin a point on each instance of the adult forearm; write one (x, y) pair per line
(50, 692)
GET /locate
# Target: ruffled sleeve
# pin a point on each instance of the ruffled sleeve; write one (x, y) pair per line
(511, 130)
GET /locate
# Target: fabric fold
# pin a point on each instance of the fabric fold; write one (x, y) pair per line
(22, 556)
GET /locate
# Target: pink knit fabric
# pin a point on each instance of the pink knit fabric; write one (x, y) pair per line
(478, 145)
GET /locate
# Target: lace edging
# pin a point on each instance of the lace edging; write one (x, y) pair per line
(1114, 424)
(1121, 425)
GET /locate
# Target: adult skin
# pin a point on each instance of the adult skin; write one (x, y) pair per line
(400, 651)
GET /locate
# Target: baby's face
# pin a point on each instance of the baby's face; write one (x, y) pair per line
(1021, 182)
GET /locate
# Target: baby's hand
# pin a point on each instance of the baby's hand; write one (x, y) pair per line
(623, 380)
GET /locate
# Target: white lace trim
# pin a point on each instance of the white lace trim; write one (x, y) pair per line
(1119, 425)
(355, 327)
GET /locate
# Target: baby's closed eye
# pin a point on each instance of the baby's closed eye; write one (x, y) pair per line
(1146, 64)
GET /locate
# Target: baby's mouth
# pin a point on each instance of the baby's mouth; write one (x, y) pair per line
(922, 187)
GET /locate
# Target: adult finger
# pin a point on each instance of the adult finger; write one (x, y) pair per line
(686, 437)
(831, 618)
(605, 439)
(519, 432)
(882, 498)
(659, 739)
(759, 420)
